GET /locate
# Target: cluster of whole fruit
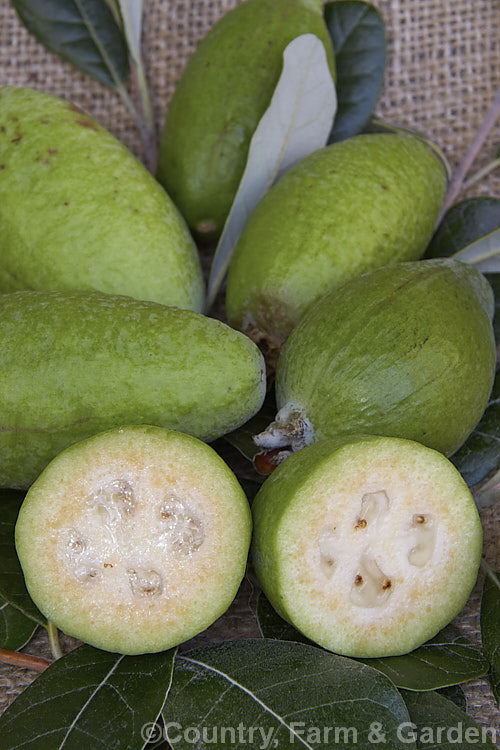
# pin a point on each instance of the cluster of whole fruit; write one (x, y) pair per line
(134, 534)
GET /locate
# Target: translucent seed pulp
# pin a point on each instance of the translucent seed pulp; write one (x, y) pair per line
(372, 585)
(113, 514)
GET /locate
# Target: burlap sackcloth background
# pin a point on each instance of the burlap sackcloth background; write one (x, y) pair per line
(442, 75)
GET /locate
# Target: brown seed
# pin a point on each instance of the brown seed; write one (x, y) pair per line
(386, 584)
(358, 580)
(361, 524)
(420, 519)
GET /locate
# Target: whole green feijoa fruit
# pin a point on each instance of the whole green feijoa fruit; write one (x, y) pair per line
(404, 351)
(366, 202)
(78, 211)
(224, 91)
(135, 539)
(77, 363)
(368, 545)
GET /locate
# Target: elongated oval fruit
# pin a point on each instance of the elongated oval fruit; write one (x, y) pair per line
(78, 211)
(365, 202)
(135, 539)
(404, 351)
(75, 363)
(223, 93)
(368, 545)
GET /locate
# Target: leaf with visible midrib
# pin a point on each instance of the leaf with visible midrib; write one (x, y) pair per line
(92, 699)
(12, 587)
(490, 629)
(15, 628)
(83, 32)
(358, 35)
(295, 124)
(448, 659)
(438, 723)
(274, 684)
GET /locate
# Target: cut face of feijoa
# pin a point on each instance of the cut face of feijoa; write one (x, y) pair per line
(134, 540)
(369, 546)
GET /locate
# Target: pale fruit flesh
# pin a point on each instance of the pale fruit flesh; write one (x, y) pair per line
(369, 546)
(135, 540)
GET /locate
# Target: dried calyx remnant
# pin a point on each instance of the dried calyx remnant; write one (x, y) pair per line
(110, 515)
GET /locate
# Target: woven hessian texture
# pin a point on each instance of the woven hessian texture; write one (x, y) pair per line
(443, 73)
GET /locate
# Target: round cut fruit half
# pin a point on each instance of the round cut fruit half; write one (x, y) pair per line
(134, 540)
(368, 546)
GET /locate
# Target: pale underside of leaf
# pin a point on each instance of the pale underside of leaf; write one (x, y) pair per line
(297, 122)
(484, 254)
(131, 13)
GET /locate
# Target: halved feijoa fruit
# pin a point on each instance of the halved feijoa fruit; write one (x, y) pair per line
(135, 539)
(368, 546)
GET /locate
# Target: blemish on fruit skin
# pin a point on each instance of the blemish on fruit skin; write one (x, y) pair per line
(85, 123)
(74, 108)
(2, 166)
(17, 139)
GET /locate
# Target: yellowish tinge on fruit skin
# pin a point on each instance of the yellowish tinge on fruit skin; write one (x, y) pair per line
(79, 211)
(77, 363)
(366, 202)
(135, 539)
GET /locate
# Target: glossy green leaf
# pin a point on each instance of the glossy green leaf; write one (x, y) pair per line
(90, 699)
(479, 456)
(448, 659)
(438, 723)
(273, 626)
(268, 693)
(12, 587)
(463, 224)
(456, 695)
(490, 629)
(83, 32)
(358, 35)
(15, 628)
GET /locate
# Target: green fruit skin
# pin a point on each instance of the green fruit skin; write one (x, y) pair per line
(365, 202)
(223, 93)
(78, 211)
(404, 351)
(119, 637)
(285, 492)
(77, 363)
